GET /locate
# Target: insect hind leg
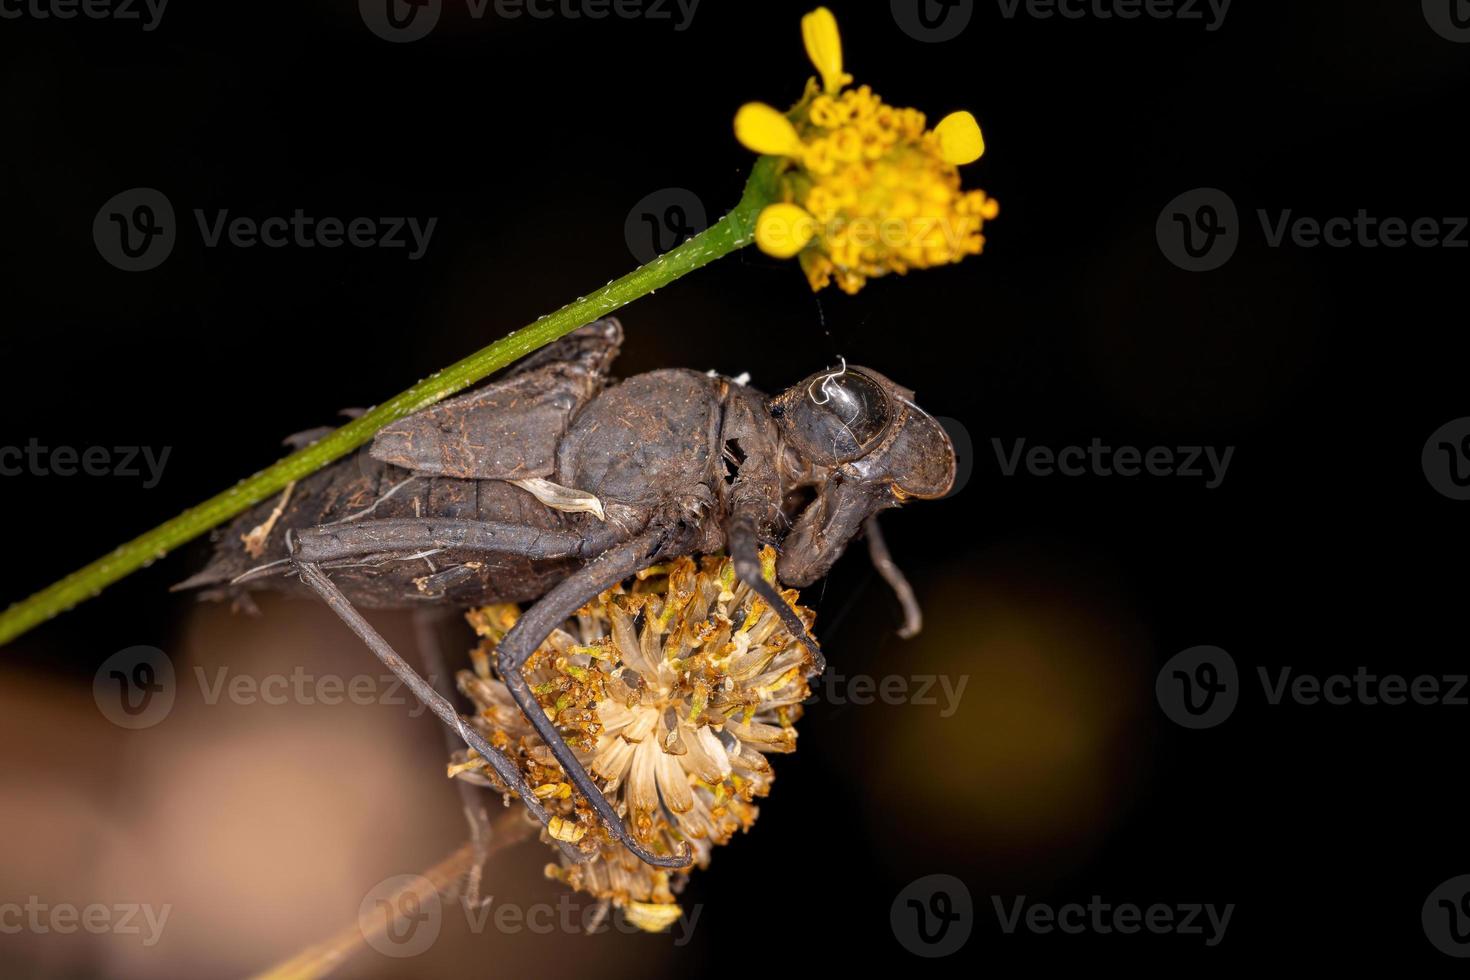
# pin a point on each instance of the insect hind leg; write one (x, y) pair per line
(509, 773)
(532, 629)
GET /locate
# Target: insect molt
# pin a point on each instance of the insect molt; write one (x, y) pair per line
(554, 483)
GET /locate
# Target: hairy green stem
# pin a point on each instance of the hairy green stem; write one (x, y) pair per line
(735, 230)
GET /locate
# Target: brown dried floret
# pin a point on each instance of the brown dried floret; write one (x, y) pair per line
(671, 691)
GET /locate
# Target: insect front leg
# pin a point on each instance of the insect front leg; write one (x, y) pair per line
(508, 772)
(532, 629)
(743, 541)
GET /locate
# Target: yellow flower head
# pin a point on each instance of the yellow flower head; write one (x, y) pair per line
(866, 188)
(672, 690)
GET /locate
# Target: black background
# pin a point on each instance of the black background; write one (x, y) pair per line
(1325, 548)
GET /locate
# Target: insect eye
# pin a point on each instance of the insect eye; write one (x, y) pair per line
(843, 414)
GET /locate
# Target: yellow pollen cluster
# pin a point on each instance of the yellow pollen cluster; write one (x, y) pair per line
(867, 189)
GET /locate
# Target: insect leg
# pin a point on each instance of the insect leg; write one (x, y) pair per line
(913, 616)
(532, 629)
(427, 621)
(329, 543)
(509, 773)
(744, 546)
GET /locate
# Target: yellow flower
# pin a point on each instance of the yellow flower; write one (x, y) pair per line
(866, 189)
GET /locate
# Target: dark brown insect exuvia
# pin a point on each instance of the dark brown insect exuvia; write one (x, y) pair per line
(555, 483)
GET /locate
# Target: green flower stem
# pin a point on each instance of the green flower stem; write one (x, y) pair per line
(734, 231)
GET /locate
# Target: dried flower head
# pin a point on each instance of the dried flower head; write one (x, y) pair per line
(672, 691)
(867, 189)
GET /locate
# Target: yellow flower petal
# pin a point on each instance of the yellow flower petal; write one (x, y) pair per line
(959, 138)
(782, 230)
(824, 48)
(765, 130)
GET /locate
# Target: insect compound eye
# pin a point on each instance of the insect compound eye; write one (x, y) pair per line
(843, 413)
